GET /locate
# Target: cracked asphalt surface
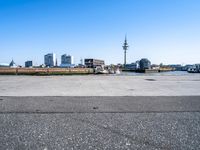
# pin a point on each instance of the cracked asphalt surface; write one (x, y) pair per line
(98, 124)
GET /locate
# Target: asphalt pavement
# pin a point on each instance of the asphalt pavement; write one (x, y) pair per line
(125, 122)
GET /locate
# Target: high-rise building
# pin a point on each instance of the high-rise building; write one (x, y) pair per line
(50, 60)
(67, 60)
(28, 63)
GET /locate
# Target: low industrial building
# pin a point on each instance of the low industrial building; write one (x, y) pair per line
(130, 67)
(139, 66)
(92, 63)
(29, 63)
(176, 67)
(4, 65)
(186, 67)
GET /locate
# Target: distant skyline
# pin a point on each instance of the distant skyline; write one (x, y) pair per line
(164, 31)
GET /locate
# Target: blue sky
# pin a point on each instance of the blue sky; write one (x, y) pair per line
(166, 31)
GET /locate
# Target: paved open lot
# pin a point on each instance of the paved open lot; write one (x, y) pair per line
(100, 112)
(93, 85)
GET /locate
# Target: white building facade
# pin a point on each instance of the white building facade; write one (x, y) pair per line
(50, 60)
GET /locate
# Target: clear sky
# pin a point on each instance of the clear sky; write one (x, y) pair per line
(166, 31)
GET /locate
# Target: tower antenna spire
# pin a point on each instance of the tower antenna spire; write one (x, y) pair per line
(125, 48)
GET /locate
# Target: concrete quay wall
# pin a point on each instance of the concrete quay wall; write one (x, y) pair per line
(44, 71)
